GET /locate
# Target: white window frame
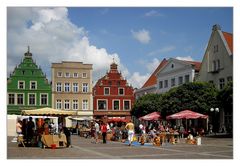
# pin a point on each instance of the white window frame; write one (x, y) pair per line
(75, 103)
(14, 101)
(124, 105)
(83, 87)
(118, 104)
(221, 83)
(160, 83)
(165, 85)
(119, 92)
(84, 75)
(17, 98)
(106, 104)
(19, 84)
(68, 104)
(59, 86)
(108, 90)
(29, 98)
(85, 105)
(67, 75)
(31, 85)
(41, 98)
(75, 75)
(73, 87)
(69, 88)
(59, 101)
(180, 83)
(59, 75)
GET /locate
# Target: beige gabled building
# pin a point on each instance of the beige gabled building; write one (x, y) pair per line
(217, 66)
(72, 88)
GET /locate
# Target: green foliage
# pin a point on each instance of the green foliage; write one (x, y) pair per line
(195, 96)
(146, 104)
(225, 97)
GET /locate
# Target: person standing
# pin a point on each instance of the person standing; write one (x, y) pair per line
(97, 129)
(130, 127)
(30, 130)
(19, 127)
(68, 135)
(104, 132)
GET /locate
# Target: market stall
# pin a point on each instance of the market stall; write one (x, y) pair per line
(54, 140)
(151, 116)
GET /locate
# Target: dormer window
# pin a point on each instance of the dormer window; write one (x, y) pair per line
(172, 66)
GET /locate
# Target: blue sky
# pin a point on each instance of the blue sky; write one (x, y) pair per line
(137, 38)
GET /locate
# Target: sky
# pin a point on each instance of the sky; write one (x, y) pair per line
(138, 38)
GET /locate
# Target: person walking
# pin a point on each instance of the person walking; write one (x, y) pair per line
(104, 132)
(130, 127)
(19, 127)
(97, 130)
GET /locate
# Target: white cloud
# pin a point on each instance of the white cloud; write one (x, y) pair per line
(143, 36)
(138, 79)
(186, 58)
(153, 13)
(162, 50)
(151, 66)
(54, 38)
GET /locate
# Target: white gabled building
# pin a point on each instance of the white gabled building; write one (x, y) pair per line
(176, 72)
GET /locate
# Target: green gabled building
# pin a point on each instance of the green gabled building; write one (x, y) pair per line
(27, 87)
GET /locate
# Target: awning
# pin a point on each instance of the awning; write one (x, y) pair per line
(81, 118)
(48, 112)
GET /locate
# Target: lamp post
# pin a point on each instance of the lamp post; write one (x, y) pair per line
(214, 120)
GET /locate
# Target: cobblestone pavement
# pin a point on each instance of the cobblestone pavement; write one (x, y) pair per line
(82, 148)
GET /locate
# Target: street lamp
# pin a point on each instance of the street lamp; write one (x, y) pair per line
(214, 119)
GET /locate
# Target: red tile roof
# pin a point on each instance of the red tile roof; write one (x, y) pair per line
(197, 65)
(152, 80)
(229, 38)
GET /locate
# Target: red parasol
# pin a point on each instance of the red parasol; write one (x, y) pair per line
(187, 114)
(151, 116)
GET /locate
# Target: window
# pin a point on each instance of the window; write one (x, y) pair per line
(75, 87)
(59, 74)
(59, 104)
(33, 85)
(20, 99)
(66, 104)
(214, 66)
(160, 84)
(126, 105)
(85, 87)
(120, 91)
(67, 74)
(165, 83)
(84, 75)
(44, 99)
(218, 64)
(85, 105)
(75, 105)
(59, 87)
(21, 85)
(75, 75)
(215, 48)
(67, 87)
(221, 83)
(11, 99)
(229, 78)
(172, 82)
(187, 79)
(102, 104)
(116, 104)
(211, 82)
(180, 80)
(172, 66)
(31, 99)
(106, 91)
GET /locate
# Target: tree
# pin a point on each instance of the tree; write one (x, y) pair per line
(195, 96)
(146, 104)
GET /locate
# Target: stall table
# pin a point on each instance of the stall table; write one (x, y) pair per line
(58, 140)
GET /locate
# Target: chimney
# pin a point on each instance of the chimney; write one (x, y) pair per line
(216, 27)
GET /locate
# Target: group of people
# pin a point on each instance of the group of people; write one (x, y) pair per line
(32, 132)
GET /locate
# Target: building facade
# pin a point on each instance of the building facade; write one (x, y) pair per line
(27, 87)
(72, 88)
(150, 86)
(217, 65)
(113, 96)
(175, 73)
